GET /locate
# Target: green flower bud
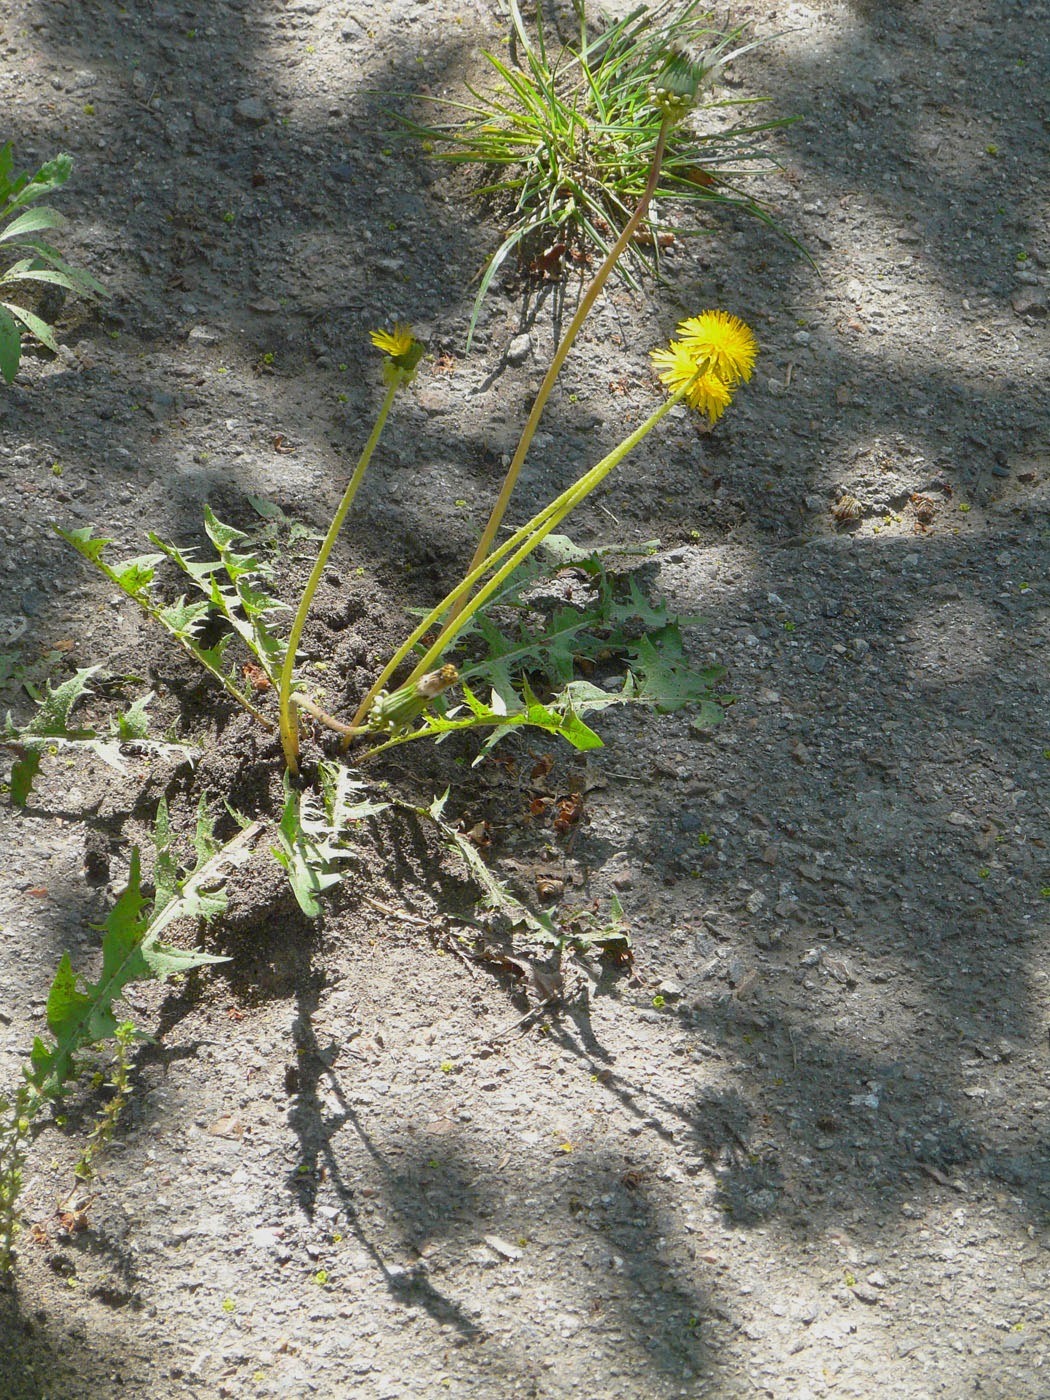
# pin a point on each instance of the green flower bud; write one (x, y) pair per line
(674, 89)
(395, 712)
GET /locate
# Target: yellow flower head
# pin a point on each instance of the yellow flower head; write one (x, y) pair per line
(681, 368)
(405, 353)
(394, 343)
(724, 341)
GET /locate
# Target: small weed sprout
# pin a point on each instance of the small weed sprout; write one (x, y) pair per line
(22, 231)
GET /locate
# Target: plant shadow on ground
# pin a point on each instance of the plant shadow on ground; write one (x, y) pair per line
(435, 1196)
(45, 1355)
(870, 1122)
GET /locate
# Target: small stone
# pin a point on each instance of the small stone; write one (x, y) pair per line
(519, 349)
(877, 1279)
(250, 112)
(431, 402)
(1029, 301)
(755, 902)
(865, 1293)
(717, 923)
(670, 990)
(623, 880)
(502, 1247)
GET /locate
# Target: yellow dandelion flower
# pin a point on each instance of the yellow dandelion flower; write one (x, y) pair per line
(680, 367)
(728, 345)
(394, 343)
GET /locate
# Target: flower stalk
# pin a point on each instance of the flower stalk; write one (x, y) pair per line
(674, 93)
(404, 354)
(553, 370)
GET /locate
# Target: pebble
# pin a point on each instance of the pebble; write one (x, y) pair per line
(250, 111)
(865, 1293)
(1029, 301)
(519, 349)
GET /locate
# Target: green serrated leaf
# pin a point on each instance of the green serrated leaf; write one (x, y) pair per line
(32, 221)
(307, 860)
(710, 714)
(23, 771)
(80, 1013)
(202, 893)
(182, 617)
(134, 722)
(269, 510)
(204, 842)
(221, 536)
(135, 576)
(28, 270)
(84, 542)
(495, 894)
(33, 323)
(10, 346)
(343, 801)
(50, 176)
(52, 717)
(666, 679)
(165, 867)
(560, 551)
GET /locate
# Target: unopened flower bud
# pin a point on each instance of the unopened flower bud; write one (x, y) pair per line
(674, 89)
(396, 711)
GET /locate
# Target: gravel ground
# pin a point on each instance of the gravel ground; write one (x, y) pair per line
(799, 1149)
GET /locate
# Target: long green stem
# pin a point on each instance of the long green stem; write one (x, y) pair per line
(582, 311)
(287, 718)
(519, 546)
(460, 591)
(540, 527)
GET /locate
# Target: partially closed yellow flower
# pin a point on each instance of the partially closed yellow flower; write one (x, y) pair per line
(405, 353)
(394, 343)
